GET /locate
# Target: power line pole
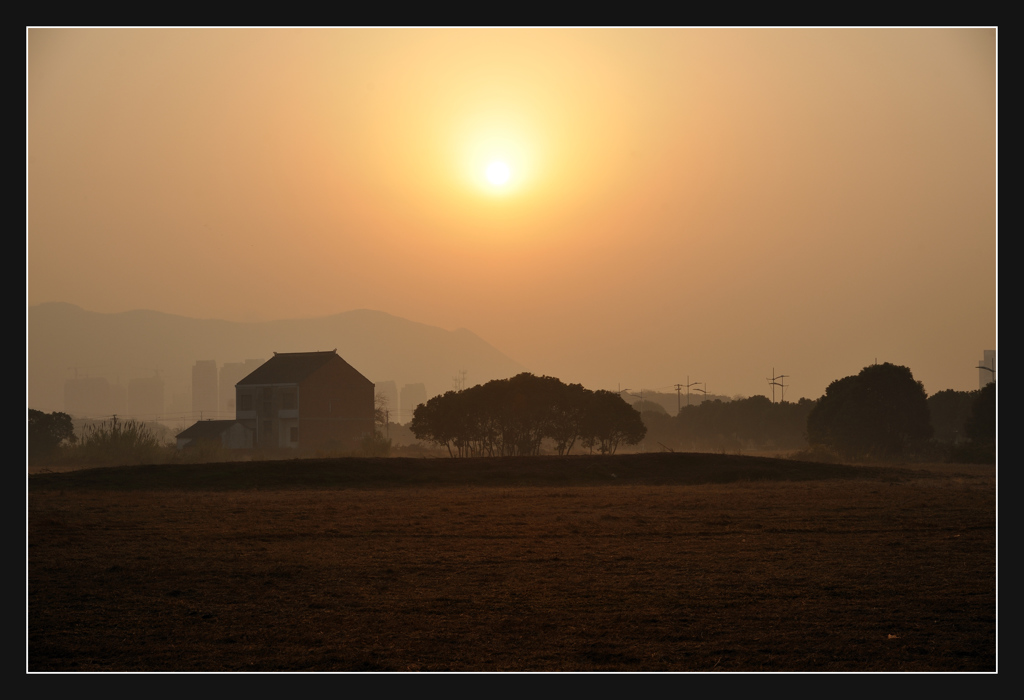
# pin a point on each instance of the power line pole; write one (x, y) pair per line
(679, 388)
(773, 383)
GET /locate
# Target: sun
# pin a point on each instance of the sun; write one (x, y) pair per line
(497, 162)
(498, 173)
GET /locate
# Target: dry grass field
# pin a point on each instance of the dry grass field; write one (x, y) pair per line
(628, 563)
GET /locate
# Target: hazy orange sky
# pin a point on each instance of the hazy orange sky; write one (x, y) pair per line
(710, 203)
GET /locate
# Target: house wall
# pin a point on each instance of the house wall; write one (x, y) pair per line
(273, 412)
(335, 407)
(332, 409)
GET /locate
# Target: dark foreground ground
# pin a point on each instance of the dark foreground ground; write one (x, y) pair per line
(632, 563)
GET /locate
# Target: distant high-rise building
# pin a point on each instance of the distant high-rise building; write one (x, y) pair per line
(412, 396)
(204, 389)
(986, 376)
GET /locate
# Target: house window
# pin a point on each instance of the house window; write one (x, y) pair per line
(289, 401)
(294, 435)
(245, 402)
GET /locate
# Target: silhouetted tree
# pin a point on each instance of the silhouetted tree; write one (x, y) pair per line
(46, 433)
(949, 412)
(877, 413)
(609, 422)
(981, 429)
(508, 417)
(435, 421)
(380, 411)
(981, 426)
(753, 423)
(568, 411)
(378, 444)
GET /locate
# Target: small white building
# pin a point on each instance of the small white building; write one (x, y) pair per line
(229, 434)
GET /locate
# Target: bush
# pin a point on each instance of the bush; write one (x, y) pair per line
(375, 445)
(48, 433)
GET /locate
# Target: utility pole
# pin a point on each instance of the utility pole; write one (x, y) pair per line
(679, 388)
(772, 381)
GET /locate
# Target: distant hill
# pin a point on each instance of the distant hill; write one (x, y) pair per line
(65, 340)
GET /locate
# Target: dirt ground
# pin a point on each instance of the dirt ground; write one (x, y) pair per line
(881, 571)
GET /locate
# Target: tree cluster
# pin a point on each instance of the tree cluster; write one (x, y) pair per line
(980, 429)
(880, 413)
(508, 417)
(47, 433)
(753, 423)
(950, 410)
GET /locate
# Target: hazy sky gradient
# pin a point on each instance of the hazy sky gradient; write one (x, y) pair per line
(702, 203)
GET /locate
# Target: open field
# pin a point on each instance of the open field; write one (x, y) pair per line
(629, 563)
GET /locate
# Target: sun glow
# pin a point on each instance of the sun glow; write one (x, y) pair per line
(498, 173)
(499, 154)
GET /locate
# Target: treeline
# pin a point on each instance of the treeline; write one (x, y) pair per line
(881, 413)
(965, 423)
(509, 417)
(748, 424)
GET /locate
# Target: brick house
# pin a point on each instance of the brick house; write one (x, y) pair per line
(307, 401)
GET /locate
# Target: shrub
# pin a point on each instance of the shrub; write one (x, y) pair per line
(48, 433)
(375, 445)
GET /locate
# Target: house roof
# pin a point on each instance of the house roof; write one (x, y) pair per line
(206, 430)
(291, 367)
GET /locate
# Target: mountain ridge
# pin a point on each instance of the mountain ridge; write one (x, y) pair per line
(65, 340)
